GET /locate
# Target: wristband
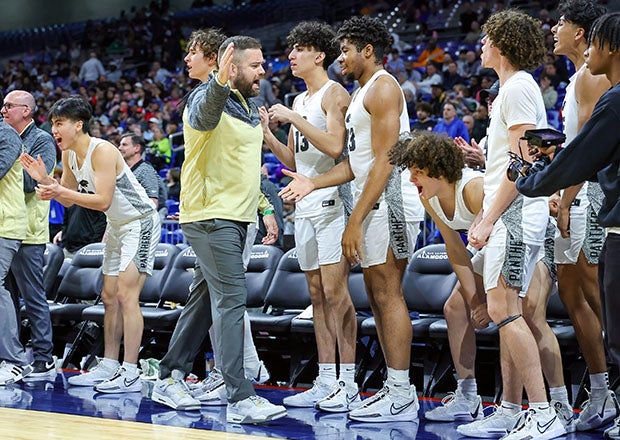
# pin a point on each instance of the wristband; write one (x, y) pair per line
(268, 211)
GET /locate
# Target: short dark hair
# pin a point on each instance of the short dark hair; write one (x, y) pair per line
(607, 30)
(241, 42)
(136, 140)
(319, 36)
(425, 107)
(75, 108)
(364, 30)
(434, 152)
(583, 13)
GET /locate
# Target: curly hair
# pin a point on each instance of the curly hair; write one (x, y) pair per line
(434, 152)
(319, 36)
(208, 40)
(583, 13)
(607, 29)
(364, 30)
(518, 37)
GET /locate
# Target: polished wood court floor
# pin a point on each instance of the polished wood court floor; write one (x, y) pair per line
(50, 409)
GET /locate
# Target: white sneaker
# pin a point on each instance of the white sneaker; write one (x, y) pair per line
(211, 391)
(260, 376)
(343, 398)
(10, 373)
(539, 425)
(253, 409)
(455, 407)
(565, 414)
(174, 393)
(308, 398)
(96, 375)
(121, 382)
(388, 406)
(597, 412)
(497, 424)
(613, 433)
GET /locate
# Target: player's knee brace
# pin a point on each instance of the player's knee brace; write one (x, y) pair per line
(509, 320)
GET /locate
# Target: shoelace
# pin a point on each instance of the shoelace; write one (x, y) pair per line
(524, 419)
(449, 399)
(378, 396)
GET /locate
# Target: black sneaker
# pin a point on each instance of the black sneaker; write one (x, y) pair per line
(43, 369)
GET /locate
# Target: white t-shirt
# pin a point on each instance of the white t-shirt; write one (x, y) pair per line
(519, 102)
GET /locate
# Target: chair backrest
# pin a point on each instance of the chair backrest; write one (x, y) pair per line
(164, 257)
(428, 280)
(84, 278)
(261, 268)
(179, 279)
(52, 262)
(288, 289)
(357, 289)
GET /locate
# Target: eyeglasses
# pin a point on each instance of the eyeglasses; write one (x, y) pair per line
(10, 105)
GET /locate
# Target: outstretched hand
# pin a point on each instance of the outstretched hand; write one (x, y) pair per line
(34, 167)
(297, 189)
(226, 63)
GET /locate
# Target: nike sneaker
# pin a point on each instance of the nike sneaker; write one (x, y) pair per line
(211, 391)
(495, 425)
(343, 398)
(455, 407)
(613, 433)
(388, 405)
(320, 390)
(565, 414)
(121, 382)
(260, 376)
(102, 371)
(43, 369)
(597, 412)
(174, 392)
(537, 424)
(254, 409)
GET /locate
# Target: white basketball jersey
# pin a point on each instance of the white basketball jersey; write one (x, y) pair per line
(129, 200)
(309, 160)
(361, 156)
(463, 217)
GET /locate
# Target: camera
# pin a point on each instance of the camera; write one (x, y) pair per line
(539, 138)
(521, 167)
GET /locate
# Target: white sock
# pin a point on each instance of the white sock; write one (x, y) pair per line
(599, 385)
(110, 364)
(560, 394)
(398, 380)
(512, 408)
(541, 407)
(468, 387)
(132, 369)
(347, 373)
(327, 373)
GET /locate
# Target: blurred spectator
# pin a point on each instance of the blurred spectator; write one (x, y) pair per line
(173, 182)
(467, 17)
(549, 94)
(159, 151)
(395, 64)
(474, 34)
(471, 66)
(432, 52)
(451, 76)
(132, 149)
(451, 125)
(266, 96)
(91, 69)
(481, 122)
(468, 120)
(432, 77)
(424, 121)
(438, 97)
